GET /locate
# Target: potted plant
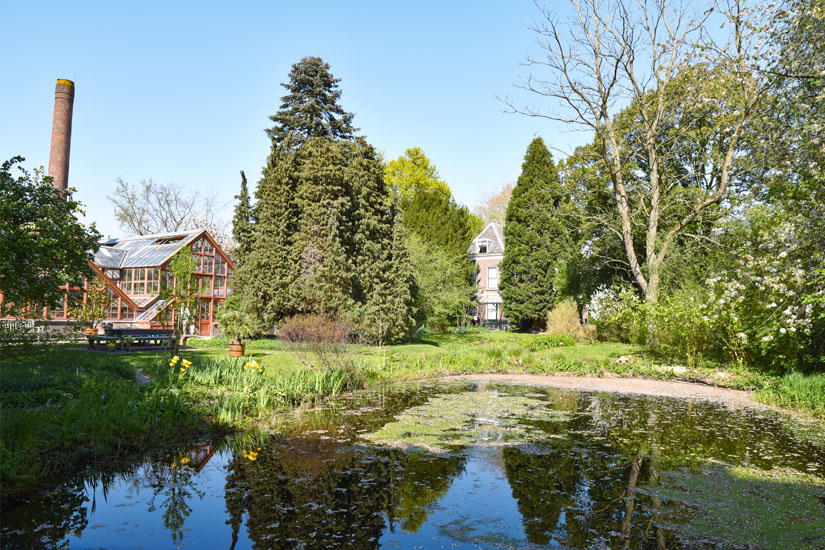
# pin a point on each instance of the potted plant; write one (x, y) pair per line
(92, 312)
(237, 326)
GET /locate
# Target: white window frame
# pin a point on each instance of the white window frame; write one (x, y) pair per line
(494, 308)
(486, 243)
(494, 269)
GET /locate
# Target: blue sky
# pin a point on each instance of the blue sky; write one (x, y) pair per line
(181, 92)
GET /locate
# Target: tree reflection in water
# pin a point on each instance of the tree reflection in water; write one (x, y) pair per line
(309, 492)
(601, 474)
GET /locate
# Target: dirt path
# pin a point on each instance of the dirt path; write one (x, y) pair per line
(685, 390)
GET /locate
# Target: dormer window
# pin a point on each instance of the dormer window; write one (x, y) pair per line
(483, 246)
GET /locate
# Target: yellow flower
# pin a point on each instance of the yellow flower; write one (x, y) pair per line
(183, 370)
(184, 460)
(186, 363)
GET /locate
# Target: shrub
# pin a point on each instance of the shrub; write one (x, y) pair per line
(549, 341)
(683, 329)
(619, 315)
(318, 341)
(564, 319)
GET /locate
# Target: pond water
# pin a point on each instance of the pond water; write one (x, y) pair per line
(459, 466)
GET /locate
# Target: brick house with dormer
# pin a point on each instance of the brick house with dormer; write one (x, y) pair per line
(487, 251)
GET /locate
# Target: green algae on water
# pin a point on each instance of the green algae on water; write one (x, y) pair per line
(743, 507)
(469, 418)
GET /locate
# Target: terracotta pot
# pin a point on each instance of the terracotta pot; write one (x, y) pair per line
(236, 349)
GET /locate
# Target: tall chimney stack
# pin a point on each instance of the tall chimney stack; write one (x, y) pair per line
(61, 133)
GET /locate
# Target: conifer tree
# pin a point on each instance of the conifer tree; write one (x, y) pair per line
(439, 221)
(387, 315)
(324, 233)
(242, 223)
(311, 108)
(537, 243)
(264, 279)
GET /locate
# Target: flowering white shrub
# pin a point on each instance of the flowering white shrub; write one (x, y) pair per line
(762, 306)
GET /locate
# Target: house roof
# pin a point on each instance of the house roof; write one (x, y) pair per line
(143, 250)
(494, 233)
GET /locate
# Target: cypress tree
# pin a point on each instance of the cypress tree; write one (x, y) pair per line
(387, 314)
(242, 223)
(439, 221)
(537, 243)
(310, 109)
(265, 278)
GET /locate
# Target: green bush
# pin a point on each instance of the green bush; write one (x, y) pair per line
(683, 330)
(549, 341)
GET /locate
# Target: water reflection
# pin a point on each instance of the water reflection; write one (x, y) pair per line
(575, 470)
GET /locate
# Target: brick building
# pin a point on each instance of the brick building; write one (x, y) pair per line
(487, 251)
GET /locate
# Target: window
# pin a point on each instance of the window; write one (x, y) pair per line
(483, 246)
(492, 312)
(59, 311)
(114, 306)
(143, 280)
(220, 286)
(492, 277)
(125, 311)
(205, 286)
(220, 265)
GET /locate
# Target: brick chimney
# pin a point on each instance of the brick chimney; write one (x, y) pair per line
(61, 133)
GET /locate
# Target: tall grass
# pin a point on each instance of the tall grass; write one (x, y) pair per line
(796, 391)
(229, 393)
(61, 410)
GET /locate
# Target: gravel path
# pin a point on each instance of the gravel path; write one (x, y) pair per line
(685, 390)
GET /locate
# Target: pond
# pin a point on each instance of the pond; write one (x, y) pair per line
(459, 465)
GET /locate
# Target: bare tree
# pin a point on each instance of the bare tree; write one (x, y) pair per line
(150, 207)
(613, 54)
(494, 206)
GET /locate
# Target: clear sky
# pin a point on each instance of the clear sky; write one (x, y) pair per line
(181, 91)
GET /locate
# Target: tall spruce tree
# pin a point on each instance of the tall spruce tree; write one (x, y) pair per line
(538, 244)
(311, 108)
(324, 234)
(242, 223)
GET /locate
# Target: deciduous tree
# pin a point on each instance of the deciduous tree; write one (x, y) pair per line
(615, 50)
(493, 208)
(412, 173)
(43, 243)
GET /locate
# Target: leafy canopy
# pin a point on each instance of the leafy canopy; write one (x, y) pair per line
(43, 243)
(413, 172)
